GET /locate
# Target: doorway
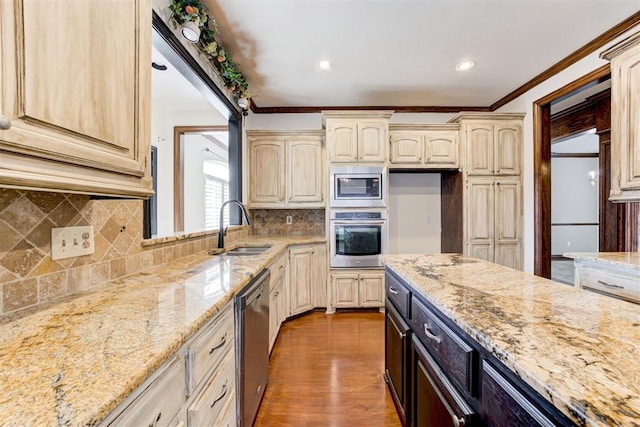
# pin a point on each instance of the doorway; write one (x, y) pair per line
(577, 108)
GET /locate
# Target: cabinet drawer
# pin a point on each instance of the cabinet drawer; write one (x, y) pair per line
(278, 267)
(618, 284)
(206, 351)
(159, 404)
(214, 396)
(398, 294)
(227, 417)
(455, 355)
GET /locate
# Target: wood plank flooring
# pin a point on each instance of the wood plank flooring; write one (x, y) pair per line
(326, 370)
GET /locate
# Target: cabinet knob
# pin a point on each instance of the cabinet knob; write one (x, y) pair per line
(458, 421)
(5, 122)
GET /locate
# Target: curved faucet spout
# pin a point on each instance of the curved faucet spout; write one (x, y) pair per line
(221, 231)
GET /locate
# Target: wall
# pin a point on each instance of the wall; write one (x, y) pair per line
(414, 213)
(274, 221)
(28, 276)
(573, 200)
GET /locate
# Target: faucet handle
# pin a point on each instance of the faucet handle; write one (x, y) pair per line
(224, 232)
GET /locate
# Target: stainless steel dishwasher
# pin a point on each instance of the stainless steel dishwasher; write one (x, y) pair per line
(252, 345)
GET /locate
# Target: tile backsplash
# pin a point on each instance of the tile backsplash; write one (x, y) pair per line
(274, 221)
(28, 276)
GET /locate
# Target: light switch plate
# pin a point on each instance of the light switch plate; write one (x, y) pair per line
(70, 242)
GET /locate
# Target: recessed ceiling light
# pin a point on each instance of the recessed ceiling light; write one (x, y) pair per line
(464, 65)
(324, 65)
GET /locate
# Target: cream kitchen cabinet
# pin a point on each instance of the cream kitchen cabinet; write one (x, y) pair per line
(75, 96)
(357, 137)
(286, 169)
(625, 125)
(356, 288)
(492, 143)
(307, 277)
(424, 146)
(278, 302)
(494, 220)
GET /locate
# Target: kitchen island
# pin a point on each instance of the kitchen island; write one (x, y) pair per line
(579, 350)
(75, 361)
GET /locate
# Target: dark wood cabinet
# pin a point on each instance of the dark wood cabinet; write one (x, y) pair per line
(397, 347)
(434, 399)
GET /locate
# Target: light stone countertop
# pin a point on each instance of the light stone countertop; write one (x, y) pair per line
(578, 349)
(629, 260)
(75, 361)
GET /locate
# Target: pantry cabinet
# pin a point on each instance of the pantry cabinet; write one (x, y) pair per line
(75, 84)
(286, 169)
(356, 288)
(424, 146)
(307, 277)
(625, 126)
(357, 137)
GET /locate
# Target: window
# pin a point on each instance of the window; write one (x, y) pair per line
(216, 191)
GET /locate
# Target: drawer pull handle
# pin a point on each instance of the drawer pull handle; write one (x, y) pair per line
(222, 395)
(609, 285)
(156, 419)
(223, 341)
(393, 291)
(281, 267)
(429, 333)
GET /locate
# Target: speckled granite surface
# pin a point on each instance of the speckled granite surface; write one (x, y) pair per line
(74, 362)
(617, 259)
(578, 349)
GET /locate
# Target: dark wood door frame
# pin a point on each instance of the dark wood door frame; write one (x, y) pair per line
(542, 168)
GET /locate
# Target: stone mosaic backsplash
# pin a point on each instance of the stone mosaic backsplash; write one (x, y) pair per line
(274, 221)
(28, 276)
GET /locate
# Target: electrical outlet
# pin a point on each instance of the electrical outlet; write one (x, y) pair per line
(289, 219)
(569, 243)
(428, 219)
(70, 242)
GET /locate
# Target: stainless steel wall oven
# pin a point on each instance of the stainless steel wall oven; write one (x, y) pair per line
(358, 238)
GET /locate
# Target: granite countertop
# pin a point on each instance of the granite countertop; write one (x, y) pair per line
(75, 361)
(629, 260)
(578, 349)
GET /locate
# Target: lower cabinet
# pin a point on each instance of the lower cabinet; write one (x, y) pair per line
(439, 376)
(195, 388)
(307, 277)
(356, 288)
(278, 303)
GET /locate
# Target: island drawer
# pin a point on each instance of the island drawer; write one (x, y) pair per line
(619, 284)
(214, 396)
(453, 353)
(207, 349)
(398, 294)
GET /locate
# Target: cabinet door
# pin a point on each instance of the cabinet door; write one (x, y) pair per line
(300, 279)
(479, 140)
(305, 172)
(508, 149)
(480, 219)
(266, 171)
(504, 405)
(75, 84)
(342, 140)
(319, 279)
(371, 290)
(396, 358)
(373, 138)
(274, 310)
(508, 214)
(344, 289)
(406, 148)
(441, 149)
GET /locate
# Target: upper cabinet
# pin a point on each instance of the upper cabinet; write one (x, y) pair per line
(492, 141)
(75, 96)
(286, 169)
(357, 137)
(424, 146)
(625, 119)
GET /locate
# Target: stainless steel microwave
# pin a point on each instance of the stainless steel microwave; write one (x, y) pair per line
(358, 187)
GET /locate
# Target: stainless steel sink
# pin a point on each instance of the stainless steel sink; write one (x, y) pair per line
(246, 251)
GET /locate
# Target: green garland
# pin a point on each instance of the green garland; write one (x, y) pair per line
(193, 11)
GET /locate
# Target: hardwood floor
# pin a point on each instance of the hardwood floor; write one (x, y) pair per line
(326, 370)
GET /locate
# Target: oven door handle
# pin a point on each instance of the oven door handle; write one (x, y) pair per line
(357, 222)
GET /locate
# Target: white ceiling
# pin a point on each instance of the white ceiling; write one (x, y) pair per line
(586, 142)
(402, 52)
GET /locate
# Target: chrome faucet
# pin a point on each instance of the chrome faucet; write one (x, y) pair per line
(221, 230)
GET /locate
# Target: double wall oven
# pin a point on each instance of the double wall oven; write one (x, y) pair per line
(358, 217)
